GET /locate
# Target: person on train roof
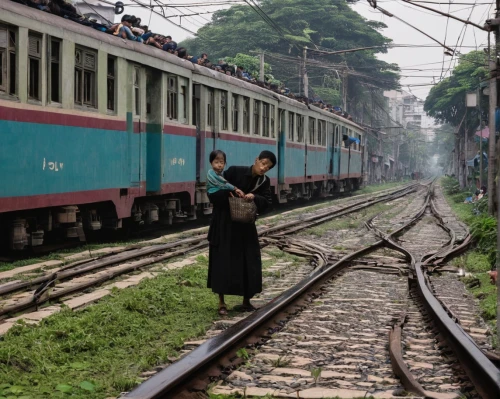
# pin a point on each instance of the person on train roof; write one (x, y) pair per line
(170, 47)
(124, 29)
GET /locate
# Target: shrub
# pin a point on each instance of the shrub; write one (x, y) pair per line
(484, 231)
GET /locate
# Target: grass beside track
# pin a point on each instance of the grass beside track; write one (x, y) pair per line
(101, 351)
(477, 261)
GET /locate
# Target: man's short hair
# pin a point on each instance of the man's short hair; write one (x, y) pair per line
(268, 155)
(168, 37)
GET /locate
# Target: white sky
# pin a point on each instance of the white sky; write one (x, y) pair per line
(453, 33)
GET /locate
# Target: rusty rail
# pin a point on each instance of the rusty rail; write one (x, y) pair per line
(195, 243)
(483, 373)
(191, 372)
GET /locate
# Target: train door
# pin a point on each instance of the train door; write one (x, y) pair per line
(154, 130)
(336, 151)
(310, 139)
(200, 137)
(281, 147)
(331, 148)
(211, 107)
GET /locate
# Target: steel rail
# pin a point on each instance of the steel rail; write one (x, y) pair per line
(483, 373)
(175, 380)
(80, 267)
(42, 293)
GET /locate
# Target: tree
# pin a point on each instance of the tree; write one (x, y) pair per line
(446, 100)
(320, 24)
(446, 103)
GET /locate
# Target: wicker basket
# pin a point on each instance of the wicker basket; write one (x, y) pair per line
(242, 211)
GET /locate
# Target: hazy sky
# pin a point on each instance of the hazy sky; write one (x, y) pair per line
(453, 33)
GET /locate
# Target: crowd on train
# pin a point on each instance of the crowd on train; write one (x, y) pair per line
(131, 28)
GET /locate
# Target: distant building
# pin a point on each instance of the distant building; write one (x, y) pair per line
(96, 10)
(407, 110)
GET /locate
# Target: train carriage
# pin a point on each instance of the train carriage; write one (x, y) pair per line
(96, 131)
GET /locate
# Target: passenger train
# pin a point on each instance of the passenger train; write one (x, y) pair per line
(98, 132)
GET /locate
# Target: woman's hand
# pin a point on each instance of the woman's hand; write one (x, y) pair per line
(249, 197)
(239, 193)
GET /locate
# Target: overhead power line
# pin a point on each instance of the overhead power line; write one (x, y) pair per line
(164, 17)
(385, 12)
(269, 21)
(467, 22)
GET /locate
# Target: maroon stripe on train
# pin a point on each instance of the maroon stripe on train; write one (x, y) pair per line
(55, 118)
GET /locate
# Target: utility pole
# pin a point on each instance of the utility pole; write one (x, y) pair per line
(494, 25)
(306, 79)
(344, 90)
(480, 138)
(261, 74)
(492, 138)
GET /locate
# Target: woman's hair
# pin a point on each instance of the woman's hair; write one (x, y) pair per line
(215, 153)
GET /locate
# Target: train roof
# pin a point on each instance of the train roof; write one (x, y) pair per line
(149, 51)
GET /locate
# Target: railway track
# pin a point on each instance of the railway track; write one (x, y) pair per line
(21, 296)
(327, 338)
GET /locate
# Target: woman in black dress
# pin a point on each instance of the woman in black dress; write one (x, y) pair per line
(234, 265)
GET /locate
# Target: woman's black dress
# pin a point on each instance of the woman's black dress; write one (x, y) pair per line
(234, 265)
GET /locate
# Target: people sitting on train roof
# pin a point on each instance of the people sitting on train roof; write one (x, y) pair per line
(40, 4)
(170, 46)
(182, 52)
(130, 28)
(124, 29)
(153, 40)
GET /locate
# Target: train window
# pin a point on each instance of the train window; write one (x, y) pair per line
(331, 134)
(256, 117)
(34, 66)
(359, 145)
(184, 103)
(246, 115)
(312, 129)
(300, 128)
(273, 124)
(196, 104)
(111, 84)
(54, 72)
(149, 90)
(322, 133)
(323, 136)
(4, 33)
(235, 113)
(337, 134)
(7, 60)
(3, 61)
(172, 97)
(12, 70)
(291, 126)
(85, 77)
(137, 91)
(265, 120)
(210, 110)
(224, 110)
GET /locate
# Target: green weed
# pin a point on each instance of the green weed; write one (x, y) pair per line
(281, 361)
(109, 344)
(316, 373)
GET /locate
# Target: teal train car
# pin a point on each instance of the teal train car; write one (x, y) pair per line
(97, 132)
